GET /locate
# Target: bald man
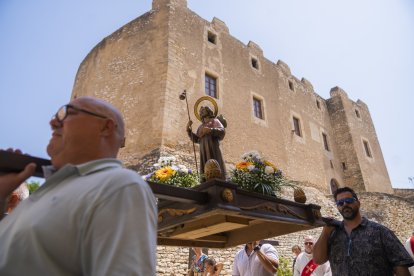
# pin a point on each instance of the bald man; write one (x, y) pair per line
(305, 266)
(91, 216)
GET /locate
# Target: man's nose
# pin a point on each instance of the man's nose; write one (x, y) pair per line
(54, 123)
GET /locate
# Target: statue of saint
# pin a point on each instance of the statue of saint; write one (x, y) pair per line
(208, 135)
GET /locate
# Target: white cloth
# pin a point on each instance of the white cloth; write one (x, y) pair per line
(92, 219)
(407, 246)
(303, 259)
(244, 265)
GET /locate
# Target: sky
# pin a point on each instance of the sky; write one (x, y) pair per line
(364, 47)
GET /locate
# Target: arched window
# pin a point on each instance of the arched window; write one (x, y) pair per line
(334, 185)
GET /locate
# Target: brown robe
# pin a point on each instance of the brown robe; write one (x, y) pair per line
(210, 143)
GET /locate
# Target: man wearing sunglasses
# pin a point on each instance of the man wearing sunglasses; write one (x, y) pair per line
(305, 266)
(91, 216)
(359, 246)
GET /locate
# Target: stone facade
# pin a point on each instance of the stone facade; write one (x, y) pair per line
(144, 66)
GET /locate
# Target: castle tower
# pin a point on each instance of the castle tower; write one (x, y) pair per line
(144, 66)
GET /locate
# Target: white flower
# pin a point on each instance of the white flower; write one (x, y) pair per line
(182, 168)
(156, 165)
(269, 170)
(251, 167)
(251, 155)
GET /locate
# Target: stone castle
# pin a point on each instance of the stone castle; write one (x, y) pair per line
(144, 66)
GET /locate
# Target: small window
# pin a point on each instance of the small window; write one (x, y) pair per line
(211, 37)
(255, 63)
(211, 86)
(325, 141)
(332, 166)
(318, 104)
(334, 185)
(291, 86)
(343, 166)
(367, 149)
(258, 108)
(357, 113)
(296, 125)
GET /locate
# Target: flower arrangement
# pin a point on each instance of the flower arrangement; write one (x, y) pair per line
(259, 175)
(167, 172)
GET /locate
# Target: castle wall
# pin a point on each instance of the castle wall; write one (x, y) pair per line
(144, 66)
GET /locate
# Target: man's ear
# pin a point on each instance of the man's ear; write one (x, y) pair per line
(108, 128)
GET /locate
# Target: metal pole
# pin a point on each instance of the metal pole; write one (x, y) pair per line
(184, 96)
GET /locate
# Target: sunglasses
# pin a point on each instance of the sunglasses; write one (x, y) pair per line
(308, 243)
(348, 200)
(62, 113)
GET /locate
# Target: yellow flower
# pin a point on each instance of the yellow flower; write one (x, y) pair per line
(164, 173)
(243, 165)
(267, 163)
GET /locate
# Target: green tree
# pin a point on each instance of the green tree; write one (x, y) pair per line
(33, 186)
(285, 267)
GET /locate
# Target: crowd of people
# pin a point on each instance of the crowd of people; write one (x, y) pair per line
(94, 217)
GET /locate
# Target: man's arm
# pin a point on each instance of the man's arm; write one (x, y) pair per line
(320, 249)
(268, 263)
(401, 271)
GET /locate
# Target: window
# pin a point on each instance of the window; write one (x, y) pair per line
(330, 162)
(291, 86)
(296, 125)
(343, 166)
(257, 107)
(325, 141)
(318, 104)
(255, 63)
(357, 113)
(211, 86)
(367, 149)
(334, 185)
(211, 37)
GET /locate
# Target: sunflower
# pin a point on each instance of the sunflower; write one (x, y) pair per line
(243, 166)
(164, 173)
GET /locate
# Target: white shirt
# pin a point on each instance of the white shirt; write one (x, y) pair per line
(303, 259)
(250, 265)
(407, 246)
(92, 219)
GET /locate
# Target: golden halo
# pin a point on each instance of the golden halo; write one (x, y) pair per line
(205, 98)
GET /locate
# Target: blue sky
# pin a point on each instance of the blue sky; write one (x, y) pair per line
(364, 47)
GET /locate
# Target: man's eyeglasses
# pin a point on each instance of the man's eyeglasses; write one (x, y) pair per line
(348, 200)
(62, 113)
(308, 243)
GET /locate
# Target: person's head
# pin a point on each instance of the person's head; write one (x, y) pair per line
(210, 265)
(252, 244)
(206, 112)
(296, 250)
(347, 203)
(308, 242)
(86, 129)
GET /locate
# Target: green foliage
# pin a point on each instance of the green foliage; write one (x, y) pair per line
(259, 175)
(166, 172)
(285, 267)
(33, 186)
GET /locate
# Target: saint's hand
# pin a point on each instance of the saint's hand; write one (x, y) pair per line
(189, 124)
